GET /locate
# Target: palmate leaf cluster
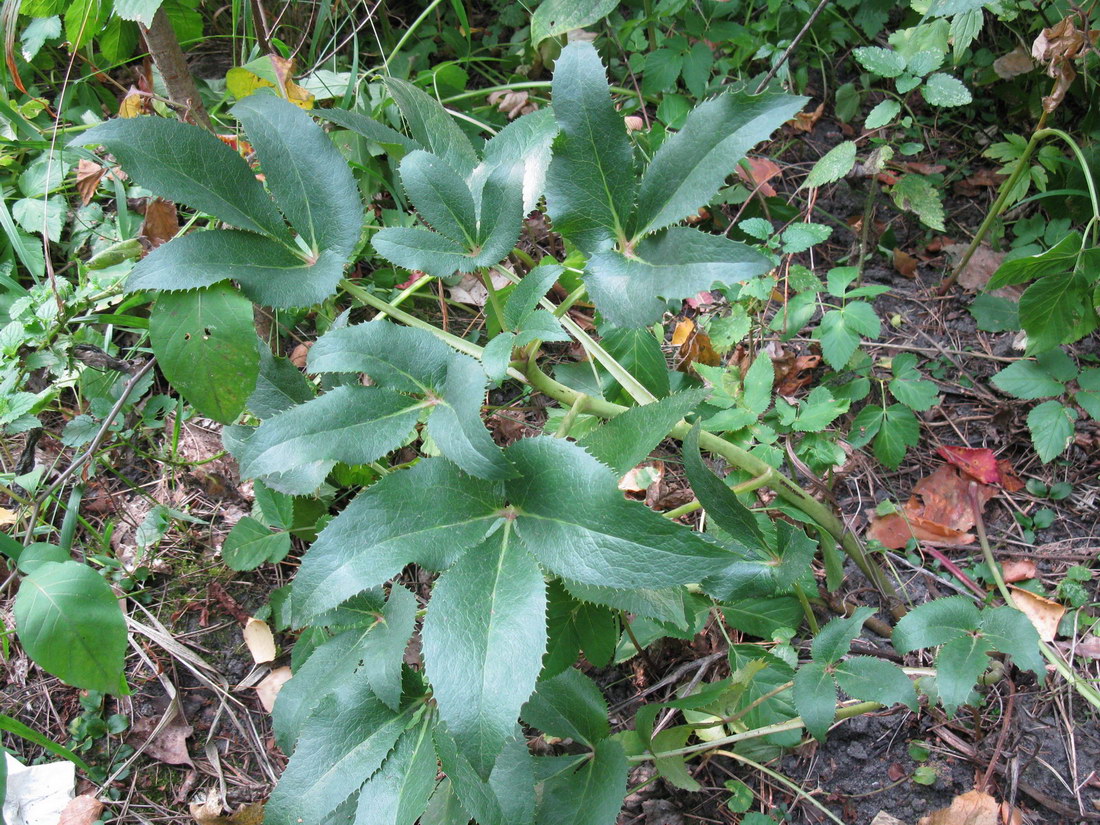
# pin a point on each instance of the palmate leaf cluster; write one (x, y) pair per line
(537, 556)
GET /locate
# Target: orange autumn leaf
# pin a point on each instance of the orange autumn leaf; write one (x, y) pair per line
(905, 264)
(978, 462)
(895, 531)
(1019, 570)
(758, 173)
(805, 121)
(970, 808)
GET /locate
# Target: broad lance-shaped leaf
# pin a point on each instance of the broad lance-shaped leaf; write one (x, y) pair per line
(384, 647)
(401, 358)
(575, 521)
(675, 264)
(344, 741)
(692, 165)
(269, 273)
(441, 196)
(815, 698)
(875, 680)
(527, 141)
(720, 502)
(432, 126)
(414, 247)
(591, 795)
(398, 793)
(483, 641)
(626, 440)
(389, 139)
(836, 637)
(302, 480)
(70, 624)
(590, 184)
(391, 524)
(279, 386)
(205, 343)
(353, 424)
(305, 172)
(500, 214)
(189, 165)
(569, 706)
(250, 544)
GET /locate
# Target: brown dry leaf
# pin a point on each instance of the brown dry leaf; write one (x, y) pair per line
(169, 746)
(797, 375)
(642, 477)
(299, 354)
(1018, 571)
(805, 121)
(88, 175)
(161, 222)
(209, 812)
(1043, 613)
(81, 810)
(760, 171)
(970, 808)
(634, 123)
(512, 103)
(260, 641)
(1089, 647)
(925, 168)
(894, 531)
(939, 512)
(470, 290)
(1062, 41)
(270, 686)
(1016, 62)
(883, 818)
(905, 264)
(979, 269)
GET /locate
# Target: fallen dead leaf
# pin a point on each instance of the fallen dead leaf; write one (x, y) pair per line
(88, 175)
(161, 222)
(883, 818)
(634, 123)
(760, 171)
(939, 512)
(925, 168)
(905, 264)
(641, 478)
(1089, 647)
(979, 269)
(82, 810)
(470, 290)
(970, 808)
(169, 745)
(1043, 613)
(1019, 570)
(260, 641)
(1016, 62)
(299, 354)
(270, 686)
(682, 332)
(895, 530)
(978, 462)
(209, 812)
(513, 103)
(805, 121)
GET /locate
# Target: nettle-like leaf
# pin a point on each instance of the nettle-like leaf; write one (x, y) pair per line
(413, 374)
(861, 677)
(309, 180)
(966, 635)
(591, 187)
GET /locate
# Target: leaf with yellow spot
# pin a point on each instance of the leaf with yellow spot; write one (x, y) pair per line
(268, 72)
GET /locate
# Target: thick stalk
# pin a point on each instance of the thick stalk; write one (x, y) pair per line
(165, 49)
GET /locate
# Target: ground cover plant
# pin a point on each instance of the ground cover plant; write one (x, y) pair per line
(509, 384)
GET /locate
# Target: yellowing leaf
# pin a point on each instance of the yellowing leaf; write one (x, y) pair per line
(269, 72)
(269, 688)
(1043, 613)
(134, 104)
(261, 644)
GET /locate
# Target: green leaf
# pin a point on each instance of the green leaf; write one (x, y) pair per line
(344, 741)
(958, 665)
(383, 648)
(268, 272)
(392, 524)
(142, 10)
(414, 247)
(924, 61)
(205, 344)
(664, 605)
(1052, 309)
(673, 769)
(995, 314)
(554, 17)
(273, 508)
(1089, 396)
(899, 430)
(1026, 379)
(398, 793)
(675, 264)
(353, 424)
(639, 352)
(455, 424)
(305, 172)
(720, 502)
(942, 89)
(500, 214)
(83, 21)
(576, 522)
(569, 706)
(526, 140)
(441, 196)
(1058, 260)
(882, 115)
(70, 624)
(394, 356)
(883, 62)
(1051, 427)
(834, 164)
(395, 143)
(909, 387)
(627, 439)
(761, 617)
(935, 623)
(250, 544)
(875, 680)
(529, 291)
(691, 166)
(917, 194)
(815, 698)
(836, 637)
(840, 330)
(473, 792)
(1011, 632)
(184, 163)
(432, 126)
(818, 410)
(41, 216)
(590, 183)
(483, 641)
(573, 624)
(591, 795)
(798, 237)
(280, 385)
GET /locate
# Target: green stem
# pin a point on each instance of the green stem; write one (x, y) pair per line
(494, 299)
(683, 509)
(571, 416)
(405, 293)
(811, 619)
